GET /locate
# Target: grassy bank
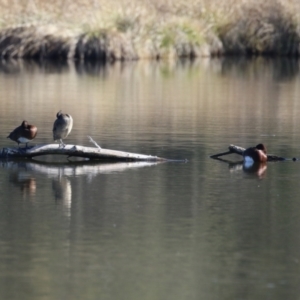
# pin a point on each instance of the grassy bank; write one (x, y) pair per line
(132, 29)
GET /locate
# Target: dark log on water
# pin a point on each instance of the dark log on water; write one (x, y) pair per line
(91, 153)
(240, 150)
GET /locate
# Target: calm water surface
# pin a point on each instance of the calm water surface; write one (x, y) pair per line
(205, 229)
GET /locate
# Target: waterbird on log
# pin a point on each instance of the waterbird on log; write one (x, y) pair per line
(24, 133)
(240, 151)
(255, 154)
(62, 127)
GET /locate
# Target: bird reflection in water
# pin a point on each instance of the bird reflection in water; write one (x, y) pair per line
(60, 173)
(63, 192)
(257, 168)
(25, 181)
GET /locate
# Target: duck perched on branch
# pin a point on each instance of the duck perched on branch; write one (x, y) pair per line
(256, 154)
(62, 127)
(24, 133)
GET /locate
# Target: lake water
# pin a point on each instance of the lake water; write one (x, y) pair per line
(204, 229)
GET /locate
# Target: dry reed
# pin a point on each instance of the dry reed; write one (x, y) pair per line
(123, 29)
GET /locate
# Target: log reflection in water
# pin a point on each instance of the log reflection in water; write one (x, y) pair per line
(25, 175)
(75, 168)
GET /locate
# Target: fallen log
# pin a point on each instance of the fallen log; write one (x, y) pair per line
(91, 153)
(240, 150)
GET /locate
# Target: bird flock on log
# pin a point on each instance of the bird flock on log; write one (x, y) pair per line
(63, 124)
(26, 132)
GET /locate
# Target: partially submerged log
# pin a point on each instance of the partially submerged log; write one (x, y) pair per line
(240, 150)
(91, 153)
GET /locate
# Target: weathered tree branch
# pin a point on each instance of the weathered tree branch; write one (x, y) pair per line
(76, 151)
(93, 142)
(239, 150)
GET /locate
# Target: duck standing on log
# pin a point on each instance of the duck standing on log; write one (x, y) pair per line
(24, 133)
(62, 127)
(257, 154)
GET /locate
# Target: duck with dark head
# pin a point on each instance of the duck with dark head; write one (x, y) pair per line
(24, 133)
(257, 154)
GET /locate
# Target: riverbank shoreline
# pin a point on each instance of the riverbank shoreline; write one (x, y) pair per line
(264, 28)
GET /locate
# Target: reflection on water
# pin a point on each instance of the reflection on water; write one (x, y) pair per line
(78, 168)
(281, 69)
(63, 192)
(22, 174)
(24, 181)
(52, 67)
(256, 169)
(204, 229)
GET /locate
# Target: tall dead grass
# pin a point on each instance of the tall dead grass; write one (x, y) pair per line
(132, 29)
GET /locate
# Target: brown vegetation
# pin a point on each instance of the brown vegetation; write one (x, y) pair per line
(123, 29)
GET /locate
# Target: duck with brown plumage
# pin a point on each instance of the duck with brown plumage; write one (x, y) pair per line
(24, 133)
